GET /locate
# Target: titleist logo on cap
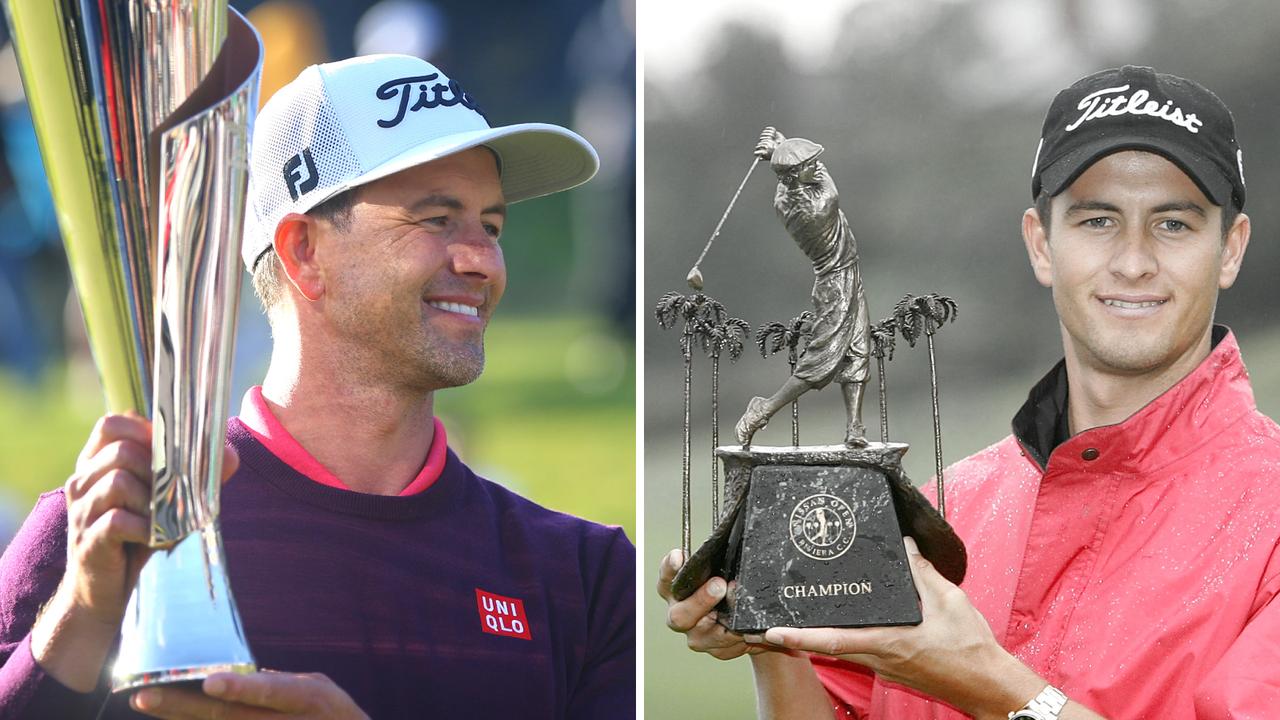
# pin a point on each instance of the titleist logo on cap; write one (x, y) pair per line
(1110, 102)
(430, 94)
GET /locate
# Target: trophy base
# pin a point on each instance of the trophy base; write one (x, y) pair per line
(181, 623)
(175, 677)
(782, 538)
(820, 544)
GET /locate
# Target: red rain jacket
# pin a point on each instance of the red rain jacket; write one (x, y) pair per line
(1137, 569)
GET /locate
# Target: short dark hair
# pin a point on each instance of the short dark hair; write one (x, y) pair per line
(268, 273)
(1043, 209)
(337, 210)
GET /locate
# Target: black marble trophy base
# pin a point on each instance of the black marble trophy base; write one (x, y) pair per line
(813, 537)
(821, 548)
(820, 541)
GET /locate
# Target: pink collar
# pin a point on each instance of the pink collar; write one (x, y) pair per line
(266, 429)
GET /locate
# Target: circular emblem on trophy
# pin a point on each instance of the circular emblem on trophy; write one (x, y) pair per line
(823, 526)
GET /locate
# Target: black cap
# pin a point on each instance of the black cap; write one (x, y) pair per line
(1136, 108)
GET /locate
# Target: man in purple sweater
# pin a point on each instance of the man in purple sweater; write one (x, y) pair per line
(375, 573)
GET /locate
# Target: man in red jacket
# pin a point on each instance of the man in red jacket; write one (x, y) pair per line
(1123, 539)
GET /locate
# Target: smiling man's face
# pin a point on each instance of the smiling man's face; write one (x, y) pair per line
(1135, 258)
(411, 283)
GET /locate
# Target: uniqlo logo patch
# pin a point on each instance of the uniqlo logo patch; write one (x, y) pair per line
(502, 615)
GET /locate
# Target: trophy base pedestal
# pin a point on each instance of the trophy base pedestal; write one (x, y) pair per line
(820, 544)
(813, 537)
(183, 676)
(181, 623)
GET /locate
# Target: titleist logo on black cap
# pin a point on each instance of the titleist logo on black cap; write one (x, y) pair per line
(1110, 102)
(430, 95)
(1137, 108)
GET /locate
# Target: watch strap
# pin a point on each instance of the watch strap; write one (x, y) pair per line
(1047, 705)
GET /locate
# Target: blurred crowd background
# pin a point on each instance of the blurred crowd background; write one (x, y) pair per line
(930, 113)
(553, 415)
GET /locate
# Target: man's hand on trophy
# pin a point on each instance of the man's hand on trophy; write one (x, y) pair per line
(108, 498)
(769, 139)
(951, 655)
(108, 514)
(696, 616)
(228, 696)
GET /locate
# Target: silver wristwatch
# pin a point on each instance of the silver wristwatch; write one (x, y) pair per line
(1045, 706)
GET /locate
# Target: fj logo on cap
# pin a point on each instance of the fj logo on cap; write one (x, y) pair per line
(298, 183)
(502, 615)
(430, 95)
(1109, 102)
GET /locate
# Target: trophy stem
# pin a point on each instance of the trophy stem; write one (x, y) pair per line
(181, 622)
(795, 423)
(715, 439)
(884, 404)
(686, 532)
(937, 427)
(795, 414)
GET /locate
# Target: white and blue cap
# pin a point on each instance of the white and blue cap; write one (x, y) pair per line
(340, 125)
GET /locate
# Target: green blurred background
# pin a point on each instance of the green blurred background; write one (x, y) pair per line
(930, 112)
(553, 416)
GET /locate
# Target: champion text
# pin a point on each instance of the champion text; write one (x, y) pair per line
(826, 590)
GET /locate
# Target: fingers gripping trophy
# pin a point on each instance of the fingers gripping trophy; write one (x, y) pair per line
(812, 535)
(839, 341)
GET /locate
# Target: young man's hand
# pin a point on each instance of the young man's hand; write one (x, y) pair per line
(696, 616)
(952, 655)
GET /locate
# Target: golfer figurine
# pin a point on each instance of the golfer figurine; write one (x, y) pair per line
(808, 205)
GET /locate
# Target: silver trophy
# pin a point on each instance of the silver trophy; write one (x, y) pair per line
(143, 110)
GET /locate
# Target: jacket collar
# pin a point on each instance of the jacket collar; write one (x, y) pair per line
(1213, 396)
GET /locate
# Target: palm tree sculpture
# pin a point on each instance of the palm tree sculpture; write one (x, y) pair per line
(883, 337)
(773, 337)
(671, 308)
(719, 334)
(926, 314)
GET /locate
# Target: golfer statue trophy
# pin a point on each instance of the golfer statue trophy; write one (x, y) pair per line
(813, 535)
(143, 109)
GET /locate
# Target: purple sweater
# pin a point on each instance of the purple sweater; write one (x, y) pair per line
(402, 601)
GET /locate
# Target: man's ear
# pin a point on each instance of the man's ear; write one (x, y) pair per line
(1233, 247)
(1036, 238)
(295, 244)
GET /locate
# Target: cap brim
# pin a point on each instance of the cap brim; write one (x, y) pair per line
(536, 159)
(1207, 176)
